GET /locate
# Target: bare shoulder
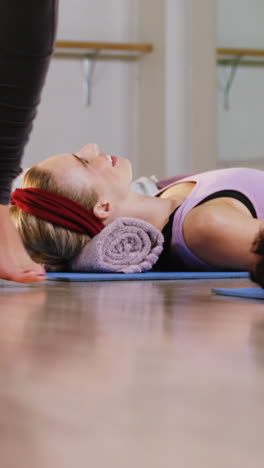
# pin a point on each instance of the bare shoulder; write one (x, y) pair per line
(201, 224)
(221, 235)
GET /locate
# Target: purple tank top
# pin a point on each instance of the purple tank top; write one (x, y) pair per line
(250, 182)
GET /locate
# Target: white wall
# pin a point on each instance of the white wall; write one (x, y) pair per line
(177, 87)
(159, 112)
(151, 89)
(64, 123)
(203, 97)
(240, 129)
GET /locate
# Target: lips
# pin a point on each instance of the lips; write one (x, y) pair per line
(114, 160)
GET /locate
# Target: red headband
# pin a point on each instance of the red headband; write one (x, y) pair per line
(57, 209)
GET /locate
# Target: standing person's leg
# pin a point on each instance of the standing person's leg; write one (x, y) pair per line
(27, 33)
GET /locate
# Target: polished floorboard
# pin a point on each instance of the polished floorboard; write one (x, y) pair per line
(149, 374)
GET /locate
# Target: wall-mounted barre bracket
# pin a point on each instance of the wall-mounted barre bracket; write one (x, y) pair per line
(90, 52)
(230, 79)
(89, 63)
(235, 57)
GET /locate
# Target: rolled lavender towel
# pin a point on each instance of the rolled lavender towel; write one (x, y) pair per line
(127, 245)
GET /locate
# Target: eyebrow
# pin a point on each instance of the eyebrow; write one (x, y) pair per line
(81, 160)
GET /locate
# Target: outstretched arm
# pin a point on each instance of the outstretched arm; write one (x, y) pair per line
(221, 235)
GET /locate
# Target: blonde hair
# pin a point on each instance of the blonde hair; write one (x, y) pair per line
(47, 243)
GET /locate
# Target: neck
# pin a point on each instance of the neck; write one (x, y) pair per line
(153, 210)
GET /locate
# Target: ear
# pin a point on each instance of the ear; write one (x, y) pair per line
(102, 210)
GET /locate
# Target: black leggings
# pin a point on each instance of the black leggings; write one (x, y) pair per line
(27, 33)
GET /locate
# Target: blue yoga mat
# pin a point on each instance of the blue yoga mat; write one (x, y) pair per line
(253, 293)
(179, 275)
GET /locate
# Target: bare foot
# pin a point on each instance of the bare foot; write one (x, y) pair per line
(15, 264)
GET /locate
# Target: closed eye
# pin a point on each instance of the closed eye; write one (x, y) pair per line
(83, 161)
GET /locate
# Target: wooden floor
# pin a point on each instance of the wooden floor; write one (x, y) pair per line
(160, 374)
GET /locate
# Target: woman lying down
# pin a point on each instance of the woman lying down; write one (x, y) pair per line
(210, 221)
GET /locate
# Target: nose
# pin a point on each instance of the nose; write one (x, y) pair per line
(89, 150)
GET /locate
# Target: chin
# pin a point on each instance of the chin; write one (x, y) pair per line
(130, 168)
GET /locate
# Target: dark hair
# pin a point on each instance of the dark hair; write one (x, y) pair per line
(257, 275)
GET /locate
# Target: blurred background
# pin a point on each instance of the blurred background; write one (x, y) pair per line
(175, 110)
(240, 119)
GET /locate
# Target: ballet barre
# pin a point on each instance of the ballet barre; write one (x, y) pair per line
(91, 51)
(234, 57)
